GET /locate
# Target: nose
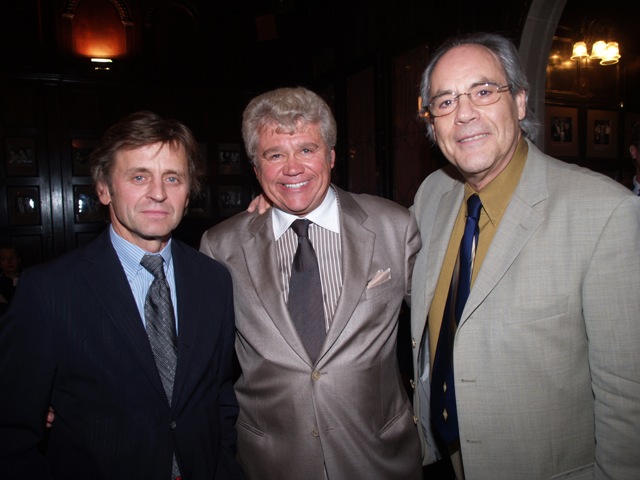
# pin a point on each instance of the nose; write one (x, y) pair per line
(293, 166)
(157, 190)
(466, 110)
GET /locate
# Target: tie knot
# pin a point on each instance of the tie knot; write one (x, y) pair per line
(301, 227)
(154, 264)
(473, 206)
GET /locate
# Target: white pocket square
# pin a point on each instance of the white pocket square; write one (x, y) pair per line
(380, 277)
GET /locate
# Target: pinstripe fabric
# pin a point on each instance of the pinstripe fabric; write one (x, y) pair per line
(328, 250)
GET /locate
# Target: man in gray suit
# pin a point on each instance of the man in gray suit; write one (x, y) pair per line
(546, 363)
(340, 413)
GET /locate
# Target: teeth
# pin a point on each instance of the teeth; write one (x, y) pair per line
(472, 138)
(295, 185)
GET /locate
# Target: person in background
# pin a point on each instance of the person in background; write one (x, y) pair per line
(130, 338)
(9, 273)
(537, 374)
(634, 150)
(320, 393)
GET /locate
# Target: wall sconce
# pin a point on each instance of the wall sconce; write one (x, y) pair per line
(101, 63)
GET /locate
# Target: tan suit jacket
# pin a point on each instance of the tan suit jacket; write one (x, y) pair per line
(547, 356)
(348, 411)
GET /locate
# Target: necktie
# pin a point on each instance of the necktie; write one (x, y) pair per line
(161, 325)
(161, 330)
(444, 413)
(305, 292)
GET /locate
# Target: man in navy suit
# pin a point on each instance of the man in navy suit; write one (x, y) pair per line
(75, 336)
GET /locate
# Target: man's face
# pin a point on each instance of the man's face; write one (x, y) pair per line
(9, 261)
(149, 194)
(479, 140)
(294, 170)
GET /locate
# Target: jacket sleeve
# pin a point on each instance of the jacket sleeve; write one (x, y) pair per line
(611, 306)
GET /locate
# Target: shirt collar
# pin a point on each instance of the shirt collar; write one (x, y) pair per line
(130, 254)
(496, 195)
(327, 215)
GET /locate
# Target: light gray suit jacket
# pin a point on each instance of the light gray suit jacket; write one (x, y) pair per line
(546, 356)
(349, 410)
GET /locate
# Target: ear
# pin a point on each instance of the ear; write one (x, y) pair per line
(521, 104)
(333, 157)
(633, 150)
(103, 193)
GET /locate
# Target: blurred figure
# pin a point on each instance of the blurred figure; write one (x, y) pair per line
(634, 150)
(9, 273)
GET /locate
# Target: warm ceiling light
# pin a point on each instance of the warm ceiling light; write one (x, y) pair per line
(598, 50)
(579, 51)
(101, 63)
(611, 54)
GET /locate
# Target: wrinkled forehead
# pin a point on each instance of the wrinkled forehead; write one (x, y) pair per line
(464, 66)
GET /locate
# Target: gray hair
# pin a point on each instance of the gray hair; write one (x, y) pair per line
(287, 108)
(506, 53)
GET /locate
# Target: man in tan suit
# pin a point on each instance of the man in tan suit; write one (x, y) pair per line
(546, 356)
(337, 410)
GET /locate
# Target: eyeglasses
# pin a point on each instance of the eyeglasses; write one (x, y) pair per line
(480, 95)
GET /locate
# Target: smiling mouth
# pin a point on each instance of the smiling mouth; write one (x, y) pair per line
(294, 186)
(475, 137)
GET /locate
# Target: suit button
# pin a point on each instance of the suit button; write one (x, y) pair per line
(415, 420)
(414, 344)
(412, 383)
(315, 375)
(173, 425)
(314, 432)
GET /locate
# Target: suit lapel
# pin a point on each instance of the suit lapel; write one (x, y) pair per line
(189, 292)
(357, 254)
(105, 276)
(516, 228)
(261, 260)
(439, 241)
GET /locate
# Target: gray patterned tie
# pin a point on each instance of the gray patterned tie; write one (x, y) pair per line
(305, 292)
(161, 329)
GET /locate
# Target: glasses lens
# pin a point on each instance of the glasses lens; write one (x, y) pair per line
(484, 94)
(443, 105)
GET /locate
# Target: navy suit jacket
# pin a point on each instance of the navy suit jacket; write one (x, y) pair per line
(73, 339)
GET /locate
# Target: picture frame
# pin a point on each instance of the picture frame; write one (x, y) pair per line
(229, 200)
(20, 157)
(200, 205)
(87, 207)
(81, 149)
(602, 133)
(561, 137)
(229, 159)
(23, 205)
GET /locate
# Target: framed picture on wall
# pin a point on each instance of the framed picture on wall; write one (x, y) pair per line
(23, 204)
(229, 159)
(81, 148)
(602, 133)
(200, 205)
(229, 200)
(86, 205)
(562, 131)
(20, 157)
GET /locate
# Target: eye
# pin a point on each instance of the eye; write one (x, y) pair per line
(138, 178)
(445, 103)
(173, 179)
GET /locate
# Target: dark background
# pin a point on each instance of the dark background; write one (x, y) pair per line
(201, 61)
